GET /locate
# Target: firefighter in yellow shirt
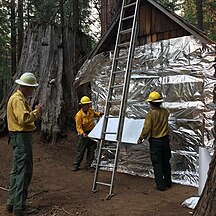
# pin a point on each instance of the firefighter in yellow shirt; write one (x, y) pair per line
(20, 119)
(84, 124)
(156, 127)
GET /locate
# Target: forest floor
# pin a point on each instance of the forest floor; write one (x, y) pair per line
(56, 190)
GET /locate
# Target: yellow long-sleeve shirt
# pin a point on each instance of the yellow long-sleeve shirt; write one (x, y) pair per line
(156, 123)
(85, 122)
(20, 117)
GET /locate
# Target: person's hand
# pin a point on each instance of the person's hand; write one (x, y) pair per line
(139, 141)
(85, 135)
(38, 107)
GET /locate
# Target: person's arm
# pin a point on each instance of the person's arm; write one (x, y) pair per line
(79, 129)
(98, 114)
(146, 129)
(22, 114)
(38, 107)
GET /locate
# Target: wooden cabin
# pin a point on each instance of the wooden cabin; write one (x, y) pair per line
(155, 23)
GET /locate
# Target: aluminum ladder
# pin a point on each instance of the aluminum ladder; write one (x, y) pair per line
(125, 39)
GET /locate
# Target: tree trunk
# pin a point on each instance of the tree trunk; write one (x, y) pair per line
(207, 203)
(75, 14)
(20, 27)
(109, 9)
(42, 54)
(199, 14)
(13, 37)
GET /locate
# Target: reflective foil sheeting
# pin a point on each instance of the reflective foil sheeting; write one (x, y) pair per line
(183, 71)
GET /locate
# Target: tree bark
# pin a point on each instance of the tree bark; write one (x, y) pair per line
(42, 54)
(20, 27)
(199, 14)
(13, 37)
(109, 9)
(207, 203)
(75, 14)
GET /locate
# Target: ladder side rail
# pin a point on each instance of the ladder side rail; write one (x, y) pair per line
(114, 64)
(122, 110)
(109, 97)
(94, 187)
(124, 96)
(114, 168)
(119, 135)
(127, 76)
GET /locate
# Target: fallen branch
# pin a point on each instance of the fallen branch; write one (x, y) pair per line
(62, 209)
(66, 211)
(5, 189)
(37, 193)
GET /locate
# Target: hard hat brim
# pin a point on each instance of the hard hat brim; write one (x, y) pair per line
(156, 101)
(85, 103)
(20, 82)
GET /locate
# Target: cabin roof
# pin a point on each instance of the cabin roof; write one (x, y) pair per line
(107, 41)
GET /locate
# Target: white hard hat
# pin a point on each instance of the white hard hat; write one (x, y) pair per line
(27, 79)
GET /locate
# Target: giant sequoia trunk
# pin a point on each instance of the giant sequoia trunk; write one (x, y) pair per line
(13, 37)
(42, 55)
(207, 203)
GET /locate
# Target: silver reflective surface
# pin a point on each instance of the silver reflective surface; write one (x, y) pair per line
(182, 70)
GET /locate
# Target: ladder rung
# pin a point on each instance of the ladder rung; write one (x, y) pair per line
(126, 31)
(103, 183)
(121, 57)
(124, 44)
(107, 166)
(117, 86)
(130, 5)
(108, 148)
(111, 117)
(118, 72)
(114, 101)
(107, 132)
(127, 18)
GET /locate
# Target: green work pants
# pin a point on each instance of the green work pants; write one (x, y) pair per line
(160, 153)
(83, 145)
(21, 173)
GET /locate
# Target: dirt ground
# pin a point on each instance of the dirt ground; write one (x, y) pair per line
(56, 190)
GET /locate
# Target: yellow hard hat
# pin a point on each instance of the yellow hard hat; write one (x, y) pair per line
(154, 97)
(85, 100)
(27, 79)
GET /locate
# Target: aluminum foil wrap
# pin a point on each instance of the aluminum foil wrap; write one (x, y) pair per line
(183, 71)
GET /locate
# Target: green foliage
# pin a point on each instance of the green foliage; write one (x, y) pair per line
(90, 19)
(4, 40)
(209, 16)
(49, 12)
(4, 29)
(189, 12)
(209, 13)
(43, 11)
(172, 5)
(189, 9)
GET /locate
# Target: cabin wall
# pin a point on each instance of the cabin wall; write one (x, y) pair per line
(155, 26)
